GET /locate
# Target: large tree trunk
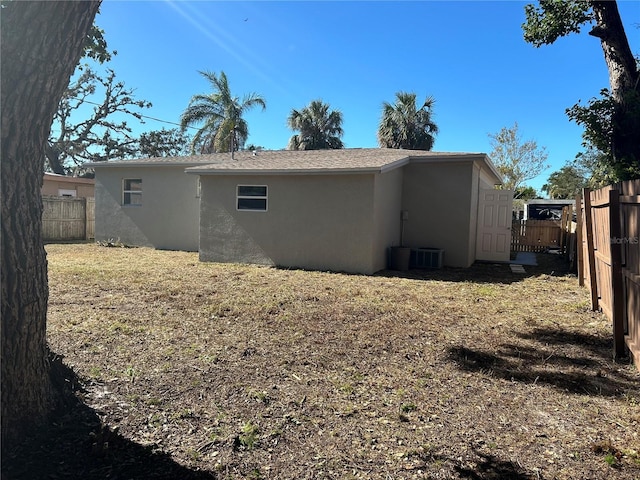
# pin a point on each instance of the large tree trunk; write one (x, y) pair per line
(623, 74)
(623, 80)
(40, 46)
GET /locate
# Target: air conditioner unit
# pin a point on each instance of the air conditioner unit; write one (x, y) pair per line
(426, 258)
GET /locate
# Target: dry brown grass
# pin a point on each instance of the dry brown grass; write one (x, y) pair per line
(255, 372)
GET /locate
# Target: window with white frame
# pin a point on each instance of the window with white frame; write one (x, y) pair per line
(132, 191)
(252, 197)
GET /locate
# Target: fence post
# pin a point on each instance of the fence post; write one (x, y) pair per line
(562, 236)
(617, 292)
(579, 247)
(86, 218)
(591, 258)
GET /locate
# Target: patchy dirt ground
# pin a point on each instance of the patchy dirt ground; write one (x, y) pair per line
(194, 370)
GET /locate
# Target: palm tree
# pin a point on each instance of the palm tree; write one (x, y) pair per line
(319, 128)
(404, 126)
(220, 114)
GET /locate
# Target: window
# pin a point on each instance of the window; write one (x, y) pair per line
(66, 193)
(132, 191)
(252, 197)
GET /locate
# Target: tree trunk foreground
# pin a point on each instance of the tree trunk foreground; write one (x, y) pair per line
(40, 46)
(624, 80)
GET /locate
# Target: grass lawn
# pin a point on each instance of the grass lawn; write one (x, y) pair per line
(197, 370)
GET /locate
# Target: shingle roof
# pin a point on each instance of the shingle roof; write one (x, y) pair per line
(306, 161)
(348, 160)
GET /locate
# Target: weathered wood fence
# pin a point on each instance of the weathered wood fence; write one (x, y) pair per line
(535, 235)
(66, 218)
(609, 259)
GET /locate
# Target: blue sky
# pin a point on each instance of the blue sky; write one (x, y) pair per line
(468, 55)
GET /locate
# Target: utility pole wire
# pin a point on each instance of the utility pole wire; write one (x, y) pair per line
(141, 115)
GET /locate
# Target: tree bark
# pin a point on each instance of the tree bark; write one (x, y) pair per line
(623, 80)
(623, 74)
(40, 46)
(53, 158)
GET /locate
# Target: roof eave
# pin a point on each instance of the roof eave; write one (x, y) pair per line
(281, 171)
(142, 164)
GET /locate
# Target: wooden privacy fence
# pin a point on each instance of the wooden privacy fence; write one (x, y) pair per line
(67, 218)
(609, 259)
(535, 235)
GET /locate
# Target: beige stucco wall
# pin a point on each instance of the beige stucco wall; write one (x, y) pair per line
(486, 180)
(387, 208)
(168, 217)
(51, 185)
(313, 221)
(438, 198)
(477, 182)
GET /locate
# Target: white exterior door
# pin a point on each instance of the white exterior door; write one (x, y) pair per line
(493, 241)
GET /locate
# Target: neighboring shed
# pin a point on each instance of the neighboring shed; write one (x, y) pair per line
(545, 208)
(63, 186)
(325, 209)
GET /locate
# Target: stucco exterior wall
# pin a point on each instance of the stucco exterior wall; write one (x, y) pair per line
(387, 208)
(168, 217)
(53, 184)
(438, 198)
(312, 221)
(478, 181)
(485, 178)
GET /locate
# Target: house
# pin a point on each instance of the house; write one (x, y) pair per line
(63, 186)
(336, 210)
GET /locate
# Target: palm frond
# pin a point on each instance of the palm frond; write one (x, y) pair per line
(220, 113)
(319, 127)
(402, 125)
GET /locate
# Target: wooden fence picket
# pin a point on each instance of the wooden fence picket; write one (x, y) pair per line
(609, 222)
(68, 218)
